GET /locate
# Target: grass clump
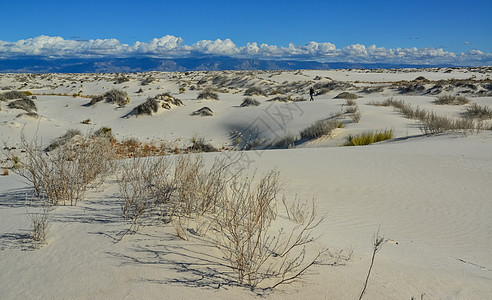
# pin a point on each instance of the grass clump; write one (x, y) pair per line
(199, 145)
(320, 128)
(368, 138)
(12, 95)
(451, 100)
(113, 96)
(208, 95)
(249, 101)
(286, 142)
(347, 95)
(24, 104)
(255, 91)
(478, 112)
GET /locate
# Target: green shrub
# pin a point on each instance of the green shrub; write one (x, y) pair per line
(368, 138)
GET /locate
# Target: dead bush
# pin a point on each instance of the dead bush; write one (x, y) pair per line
(64, 175)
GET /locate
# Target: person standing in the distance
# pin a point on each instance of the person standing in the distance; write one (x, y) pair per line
(311, 94)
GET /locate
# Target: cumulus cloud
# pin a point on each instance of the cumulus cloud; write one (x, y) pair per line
(172, 47)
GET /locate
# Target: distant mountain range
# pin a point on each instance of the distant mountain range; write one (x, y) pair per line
(145, 64)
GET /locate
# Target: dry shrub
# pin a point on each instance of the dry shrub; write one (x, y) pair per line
(319, 129)
(451, 100)
(64, 175)
(255, 91)
(134, 190)
(256, 254)
(347, 95)
(113, 96)
(248, 101)
(356, 116)
(39, 226)
(478, 112)
(208, 95)
(24, 104)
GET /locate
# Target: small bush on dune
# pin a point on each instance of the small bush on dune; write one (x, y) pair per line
(368, 138)
(62, 140)
(478, 112)
(147, 108)
(286, 142)
(320, 128)
(451, 100)
(208, 95)
(356, 116)
(199, 145)
(39, 226)
(204, 112)
(255, 91)
(350, 102)
(117, 96)
(24, 104)
(114, 96)
(347, 95)
(64, 175)
(248, 101)
(12, 95)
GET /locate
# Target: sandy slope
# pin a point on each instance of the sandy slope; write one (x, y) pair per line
(430, 196)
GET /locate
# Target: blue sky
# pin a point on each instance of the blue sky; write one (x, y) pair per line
(424, 31)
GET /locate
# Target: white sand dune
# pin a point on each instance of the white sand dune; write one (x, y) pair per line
(429, 195)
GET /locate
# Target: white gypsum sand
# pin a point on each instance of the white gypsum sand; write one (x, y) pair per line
(428, 194)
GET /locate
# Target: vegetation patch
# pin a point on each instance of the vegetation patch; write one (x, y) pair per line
(320, 128)
(451, 100)
(347, 95)
(24, 104)
(248, 101)
(368, 138)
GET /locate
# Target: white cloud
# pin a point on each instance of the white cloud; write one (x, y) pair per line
(171, 46)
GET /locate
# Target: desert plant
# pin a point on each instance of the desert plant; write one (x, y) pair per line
(255, 91)
(24, 104)
(351, 109)
(199, 145)
(285, 142)
(377, 244)
(148, 80)
(117, 96)
(451, 100)
(478, 112)
(65, 174)
(253, 251)
(147, 108)
(134, 190)
(350, 102)
(12, 95)
(319, 129)
(368, 138)
(356, 116)
(204, 112)
(347, 95)
(248, 101)
(208, 94)
(62, 140)
(104, 132)
(113, 96)
(39, 226)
